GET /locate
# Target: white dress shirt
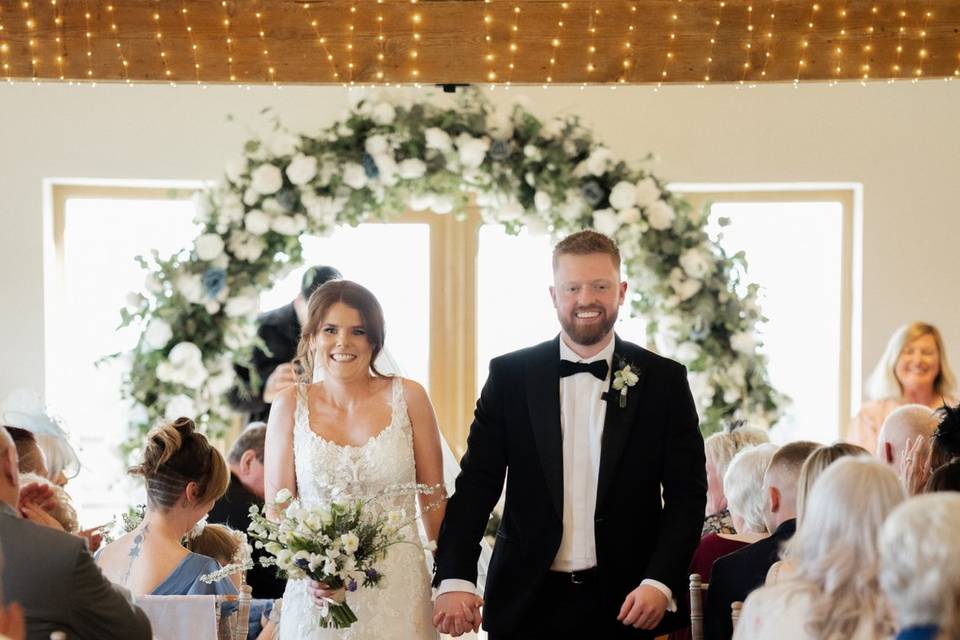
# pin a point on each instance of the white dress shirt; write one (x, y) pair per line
(582, 414)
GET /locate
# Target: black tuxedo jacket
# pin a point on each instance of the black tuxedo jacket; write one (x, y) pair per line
(650, 444)
(736, 574)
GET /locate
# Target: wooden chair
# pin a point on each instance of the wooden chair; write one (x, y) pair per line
(735, 610)
(697, 589)
(235, 624)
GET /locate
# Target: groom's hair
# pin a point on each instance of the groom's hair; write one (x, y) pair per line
(585, 242)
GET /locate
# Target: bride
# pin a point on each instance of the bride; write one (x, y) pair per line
(357, 432)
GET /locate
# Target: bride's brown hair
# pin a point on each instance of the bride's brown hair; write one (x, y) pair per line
(354, 296)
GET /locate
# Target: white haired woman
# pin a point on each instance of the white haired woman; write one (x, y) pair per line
(720, 448)
(913, 370)
(834, 591)
(920, 566)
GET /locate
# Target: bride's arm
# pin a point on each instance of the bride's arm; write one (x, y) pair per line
(278, 471)
(427, 455)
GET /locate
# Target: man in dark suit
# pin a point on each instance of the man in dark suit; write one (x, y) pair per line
(53, 577)
(735, 575)
(586, 547)
(280, 331)
(246, 488)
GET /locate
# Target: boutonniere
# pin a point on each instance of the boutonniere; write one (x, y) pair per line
(626, 376)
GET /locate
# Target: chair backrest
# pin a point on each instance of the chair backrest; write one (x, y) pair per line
(181, 617)
(697, 589)
(233, 614)
(735, 609)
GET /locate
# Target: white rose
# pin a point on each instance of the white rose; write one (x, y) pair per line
(383, 113)
(193, 375)
(350, 542)
(166, 372)
(302, 169)
(246, 304)
(266, 179)
(232, 208)
(471, 151)
(180, 406)
(284, 144)
(184, 353)
(412, 168)
(731, 395)
(246, 246)
(235, 169)
(597, 162)
(605, 221)
(208, 246)
(438, 139)
(387, 168)
(687, 352)
(553, 128)
(421, 201)
(660, 215)
(239, 335)
(737, 374)
(442, 204)
(573, 206)
(222, 382)
(158, 334)
(354, 176)
(273, 206)
(282, 496)
(250, 197)
(257, 222)
(647, 192)
(212, 306)
(629, 216)
(743, 342)
(376, 144)
(696, 263)
(289, 225)
(532, 152)
(688, 288)
(190, 286)
(542, 201)
(623, 195)
(499, 124)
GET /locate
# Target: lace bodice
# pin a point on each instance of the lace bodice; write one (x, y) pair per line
(326, 471)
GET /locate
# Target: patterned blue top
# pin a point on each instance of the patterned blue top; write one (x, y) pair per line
(184, 580)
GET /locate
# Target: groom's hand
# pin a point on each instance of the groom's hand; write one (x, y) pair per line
(457, 612)
(643, 607)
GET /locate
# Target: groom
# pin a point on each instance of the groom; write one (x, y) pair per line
(606, 492)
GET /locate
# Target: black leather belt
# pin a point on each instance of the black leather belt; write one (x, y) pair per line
(582, 577)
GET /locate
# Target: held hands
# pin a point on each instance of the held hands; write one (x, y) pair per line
(281, 378)
(457, 612)
(915, 465)
(321, 593)
(36, 494)
(12, 624)
(643, 607)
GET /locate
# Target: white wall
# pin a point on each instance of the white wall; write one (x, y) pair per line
(901, 141)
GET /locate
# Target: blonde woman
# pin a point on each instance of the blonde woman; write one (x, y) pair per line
(834, 592)
(913, 370)
(720, 448)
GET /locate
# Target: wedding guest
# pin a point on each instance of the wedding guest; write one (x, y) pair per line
(920, 566)
(945, 478)
(63, 464)
(834, 591)
(184, 475)
(279, 330)
(735, 575)
(945, 443)
(53, 577)
(31, 458)
(720, 449)
(245, 490)
(26, 410)
(913, 370)
(901, 428)
(61, 515)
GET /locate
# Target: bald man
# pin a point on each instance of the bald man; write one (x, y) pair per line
(52, 575)
(903, 427)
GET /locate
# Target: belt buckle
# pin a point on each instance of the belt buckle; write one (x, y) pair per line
(576, 577)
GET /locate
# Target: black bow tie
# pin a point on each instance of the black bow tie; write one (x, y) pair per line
(597, 368)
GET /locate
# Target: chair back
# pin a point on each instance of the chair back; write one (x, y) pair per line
(181, 617)
(233, 614)
(697, 589)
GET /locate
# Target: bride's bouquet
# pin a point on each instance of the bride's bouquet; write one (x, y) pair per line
(339, 544)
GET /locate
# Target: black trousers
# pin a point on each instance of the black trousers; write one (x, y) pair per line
(570, 606)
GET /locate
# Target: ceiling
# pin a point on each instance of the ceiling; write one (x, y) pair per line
(476, 41)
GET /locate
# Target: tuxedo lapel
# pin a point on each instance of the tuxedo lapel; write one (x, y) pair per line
(543, 397)
(618, 421)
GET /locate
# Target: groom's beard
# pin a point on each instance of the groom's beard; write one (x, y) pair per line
(588, 335)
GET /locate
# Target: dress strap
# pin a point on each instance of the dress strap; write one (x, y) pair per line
(399, 401)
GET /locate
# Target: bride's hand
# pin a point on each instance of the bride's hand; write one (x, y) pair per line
(320, 592)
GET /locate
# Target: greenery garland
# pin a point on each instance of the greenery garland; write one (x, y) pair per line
(198, 308)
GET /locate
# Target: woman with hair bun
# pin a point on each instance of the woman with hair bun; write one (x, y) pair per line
(184, 476)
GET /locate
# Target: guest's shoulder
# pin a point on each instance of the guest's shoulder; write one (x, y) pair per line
(28, 535)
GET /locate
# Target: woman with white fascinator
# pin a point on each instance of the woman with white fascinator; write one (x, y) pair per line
(25, 409)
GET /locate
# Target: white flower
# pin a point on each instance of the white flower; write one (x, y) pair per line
(180, 406)
(208, 246)
(185, 353)
(629, 216)
(250, 197)
(192, 375)
(284, 495)
(245, 304)
(438, 139)
(441, 204)
(350, 542)
(696, 263)
(421, 201)
(688, 288)
(553, 128)
(387, 168)
(532, 152)
(238, 335)
(542, 201)
(190, 286)
(573, 206)
(354, 176)
(302, 169)
(222, 382)
(383, 113)
(687, 352)
(201, 206)
(731, 395)
(596, 163)
(647, 192)
(158, 334)
(623, 195)
(605, 221)
(660, 215)
(499, 124)
(700, 388)
(284, 144)
(289, 225)
(743, 342)
(232, 208)
(412, 168)
(153, 283)
(257, 222)
(376, 144)
(246, 246)
(396, 517)
(737, 374)
(235, 169)
(472, 151)
(266, 179)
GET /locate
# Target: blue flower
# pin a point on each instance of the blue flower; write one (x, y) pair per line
(372, 574)
(351, 585)
(287, 198)
(214, 280)
(370, 166)
(303, 563)
(500, 149)
(592, 192)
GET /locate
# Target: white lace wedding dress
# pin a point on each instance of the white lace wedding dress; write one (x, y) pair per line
(400, 609)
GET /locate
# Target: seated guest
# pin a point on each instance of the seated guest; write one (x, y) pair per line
(920, 567)
(720, 449)
(184, 475)
(811, 470)
(26, 410)
(901, 429)
(945, 444)
(61, 514)
(246, 488)
(735, 575)
(53, 577)
(834, 590)
(946, 478)
(62, 461)
(29, 453)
